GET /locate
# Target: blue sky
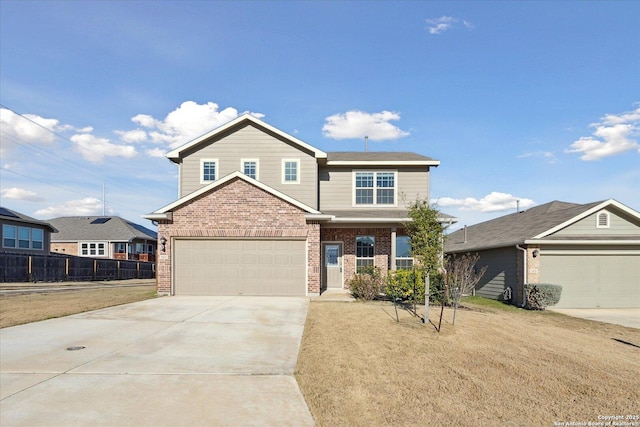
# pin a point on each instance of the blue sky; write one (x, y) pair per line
(529, 101)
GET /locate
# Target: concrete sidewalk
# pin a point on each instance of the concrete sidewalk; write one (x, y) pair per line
(629, 317)
(172, 361)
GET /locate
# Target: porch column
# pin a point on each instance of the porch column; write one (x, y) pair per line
(393, 248)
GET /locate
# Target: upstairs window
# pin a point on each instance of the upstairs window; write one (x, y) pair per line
(208, 170)
(602, 219)
(250, 168)
(290, 171)
(375, 188)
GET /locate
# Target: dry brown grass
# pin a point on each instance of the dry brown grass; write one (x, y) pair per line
(358, 367)
(19, 309)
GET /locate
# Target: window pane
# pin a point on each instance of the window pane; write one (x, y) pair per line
(404, 264)
(385, 179)
(9, 231)
(403, 247)
(24, 237)
(209, 171)
(290, 171)
(36, 245)
(364, 196)
(37, 234)
(385, 197)
(364, 180)
(9, 243)
(250, 169)
(364, 246)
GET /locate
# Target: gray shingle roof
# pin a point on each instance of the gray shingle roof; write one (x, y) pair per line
(375, 156)
(11, 215)
(115, 229)
(514, 228)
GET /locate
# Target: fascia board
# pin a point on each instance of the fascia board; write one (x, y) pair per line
(582, 242)
(383, 163)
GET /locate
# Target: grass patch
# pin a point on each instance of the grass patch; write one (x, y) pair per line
(359, 367)
(487, 303)
(20, 309)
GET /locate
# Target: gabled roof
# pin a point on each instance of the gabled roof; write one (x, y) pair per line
(533, 224)
(163, 212)
(176, 154)
(108, 228)
(379, 158)
(11, 215)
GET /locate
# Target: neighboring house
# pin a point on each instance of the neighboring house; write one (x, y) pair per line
(103, 237)
(592, 250)
(21, 233)
(261, 212)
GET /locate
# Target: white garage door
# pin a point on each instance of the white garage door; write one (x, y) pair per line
(239, 267)
(593, 281)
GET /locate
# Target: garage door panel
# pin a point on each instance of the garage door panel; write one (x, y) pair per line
(591, 281)
(239, 267)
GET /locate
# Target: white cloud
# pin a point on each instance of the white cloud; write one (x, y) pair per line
(30, 128)
(186, 122)
(445, 23)
(156, 152)
(493, 202)
(358, 124)
(614, 134)
(132, 136)
(547, 156)
(95, 149)
(87, 206)
(16, 193)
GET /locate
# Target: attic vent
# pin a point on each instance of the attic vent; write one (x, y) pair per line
(100, 220)
(602, 219)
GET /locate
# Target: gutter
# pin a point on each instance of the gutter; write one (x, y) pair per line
(524, 273)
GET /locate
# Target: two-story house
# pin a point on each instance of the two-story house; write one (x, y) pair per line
(261, 212)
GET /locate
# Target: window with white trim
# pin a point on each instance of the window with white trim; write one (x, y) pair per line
(404, 261)
(365, 251)
(602, 219)
(18, 237)
(374, 188)
(290, 171)
(93, 249)
(208, 170)
(250, 167)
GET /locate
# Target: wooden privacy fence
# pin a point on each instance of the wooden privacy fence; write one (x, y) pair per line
(16, 267)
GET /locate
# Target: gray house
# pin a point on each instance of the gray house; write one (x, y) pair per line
(21, 233)
(103, 237)
(261, 212)
(592, 250)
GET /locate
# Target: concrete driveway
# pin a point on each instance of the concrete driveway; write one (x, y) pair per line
(178, 361)
(618, 316)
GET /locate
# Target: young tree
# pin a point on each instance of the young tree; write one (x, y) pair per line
(426, 237)
(463, 272)
(425, 233)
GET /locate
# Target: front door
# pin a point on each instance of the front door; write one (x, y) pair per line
(332, 266)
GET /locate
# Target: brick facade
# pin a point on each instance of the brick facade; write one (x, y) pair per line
(238, 209)
(382, 247)
(65, 248)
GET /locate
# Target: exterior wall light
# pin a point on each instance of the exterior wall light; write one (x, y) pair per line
(536, 253)
(163, 244)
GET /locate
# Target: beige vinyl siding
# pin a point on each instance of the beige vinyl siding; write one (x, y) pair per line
(618, 226)
(502, 272)
(336, 186)
(252, 143)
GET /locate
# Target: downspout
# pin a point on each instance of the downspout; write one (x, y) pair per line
(524, 274)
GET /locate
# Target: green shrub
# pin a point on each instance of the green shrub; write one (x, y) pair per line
(541, 295)
(406, 285)
(436, 288)
(367, 284)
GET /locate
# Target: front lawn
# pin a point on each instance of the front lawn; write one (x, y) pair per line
(498, 365)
